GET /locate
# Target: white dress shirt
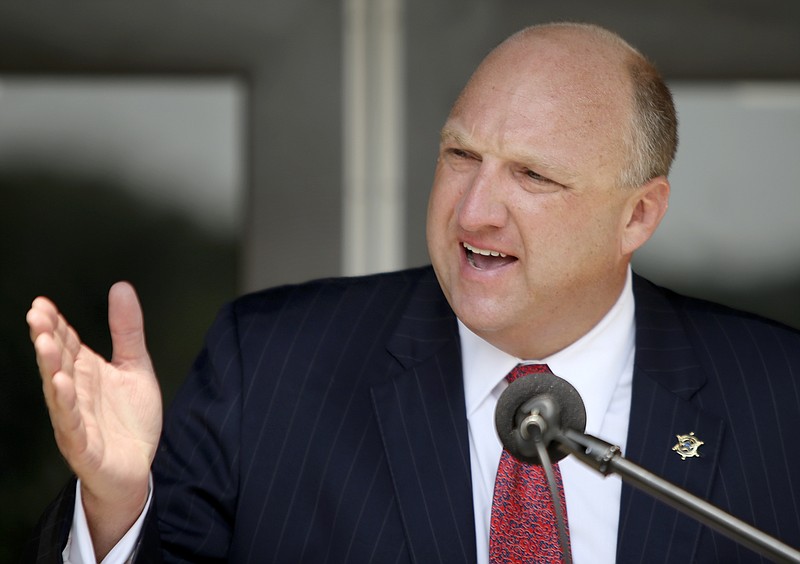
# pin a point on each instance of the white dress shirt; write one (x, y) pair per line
(79, 548)
(600, 366)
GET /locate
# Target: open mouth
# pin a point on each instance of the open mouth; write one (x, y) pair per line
(484, 259)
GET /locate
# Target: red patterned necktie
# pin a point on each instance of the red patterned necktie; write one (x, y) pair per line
(524, 526)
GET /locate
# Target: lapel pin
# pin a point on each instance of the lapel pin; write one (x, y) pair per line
(687, 446)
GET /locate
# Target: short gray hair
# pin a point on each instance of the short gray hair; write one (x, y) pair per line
(653, 138)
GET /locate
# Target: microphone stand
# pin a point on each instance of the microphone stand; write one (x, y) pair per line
(547, 465)
(534, 412)
(607, 458)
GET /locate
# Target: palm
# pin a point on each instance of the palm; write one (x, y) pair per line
(106, 415)
(120, 411)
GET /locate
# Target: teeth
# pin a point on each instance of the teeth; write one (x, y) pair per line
(483, 252)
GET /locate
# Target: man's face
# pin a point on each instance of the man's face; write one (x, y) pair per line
(525, 217)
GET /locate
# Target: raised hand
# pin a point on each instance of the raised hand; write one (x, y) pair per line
(106, 416)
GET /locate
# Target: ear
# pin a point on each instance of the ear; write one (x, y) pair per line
(646, 207)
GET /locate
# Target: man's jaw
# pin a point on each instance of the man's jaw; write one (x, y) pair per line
(486, 259)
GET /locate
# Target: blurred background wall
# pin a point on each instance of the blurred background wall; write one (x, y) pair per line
(204, 149)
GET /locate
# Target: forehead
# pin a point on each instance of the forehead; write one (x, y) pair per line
(545, 97)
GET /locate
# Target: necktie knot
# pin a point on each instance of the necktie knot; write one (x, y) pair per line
(521, 370)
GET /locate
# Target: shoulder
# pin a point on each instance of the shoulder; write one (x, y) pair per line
(716, 330)
(331, 304)
(650, 296)
(335, 292)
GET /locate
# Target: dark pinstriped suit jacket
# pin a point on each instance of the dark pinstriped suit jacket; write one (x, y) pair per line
(326, 423)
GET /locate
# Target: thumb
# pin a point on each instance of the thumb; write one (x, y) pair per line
(126, 323)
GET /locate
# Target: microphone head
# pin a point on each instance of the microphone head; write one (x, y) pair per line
(560, 406)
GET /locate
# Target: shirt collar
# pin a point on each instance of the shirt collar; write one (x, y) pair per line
(594, 364)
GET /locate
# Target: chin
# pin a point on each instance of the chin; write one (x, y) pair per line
(481, 320)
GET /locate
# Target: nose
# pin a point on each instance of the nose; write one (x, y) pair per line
(481, 205)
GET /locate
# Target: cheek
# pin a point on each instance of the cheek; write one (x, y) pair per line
(597, 236)
(563, 237)
(437, 216)
(434, 211)
(442, 202)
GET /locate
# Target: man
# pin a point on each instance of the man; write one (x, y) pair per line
(350, 420)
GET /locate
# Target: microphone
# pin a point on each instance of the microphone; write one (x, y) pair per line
(541, 417)
(537, 408)
(529, 418)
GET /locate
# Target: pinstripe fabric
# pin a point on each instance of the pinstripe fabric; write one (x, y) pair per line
(325, 446)
(733, 380)
(325, 422)
(50, 536)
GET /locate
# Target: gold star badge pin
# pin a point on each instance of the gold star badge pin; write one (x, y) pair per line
(687, 446)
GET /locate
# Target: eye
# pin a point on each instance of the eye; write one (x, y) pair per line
(535, 182)
(458, 159)
(533, 175)
(459, 153)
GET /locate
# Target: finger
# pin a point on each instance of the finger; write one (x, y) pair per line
(48, 354)
(42, 317)
(48, 357)
(68, 338)
(61, 398)
(126, 322)
(60, 394)
(65, 416)
(56, 346)
(58, 349)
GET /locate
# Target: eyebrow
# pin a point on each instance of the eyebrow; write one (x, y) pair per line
(450, 134)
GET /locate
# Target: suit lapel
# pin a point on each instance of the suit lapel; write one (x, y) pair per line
(421, 416)
(422, 420)
(666, 376)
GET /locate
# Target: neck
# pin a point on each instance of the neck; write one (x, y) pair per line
(557, 329)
